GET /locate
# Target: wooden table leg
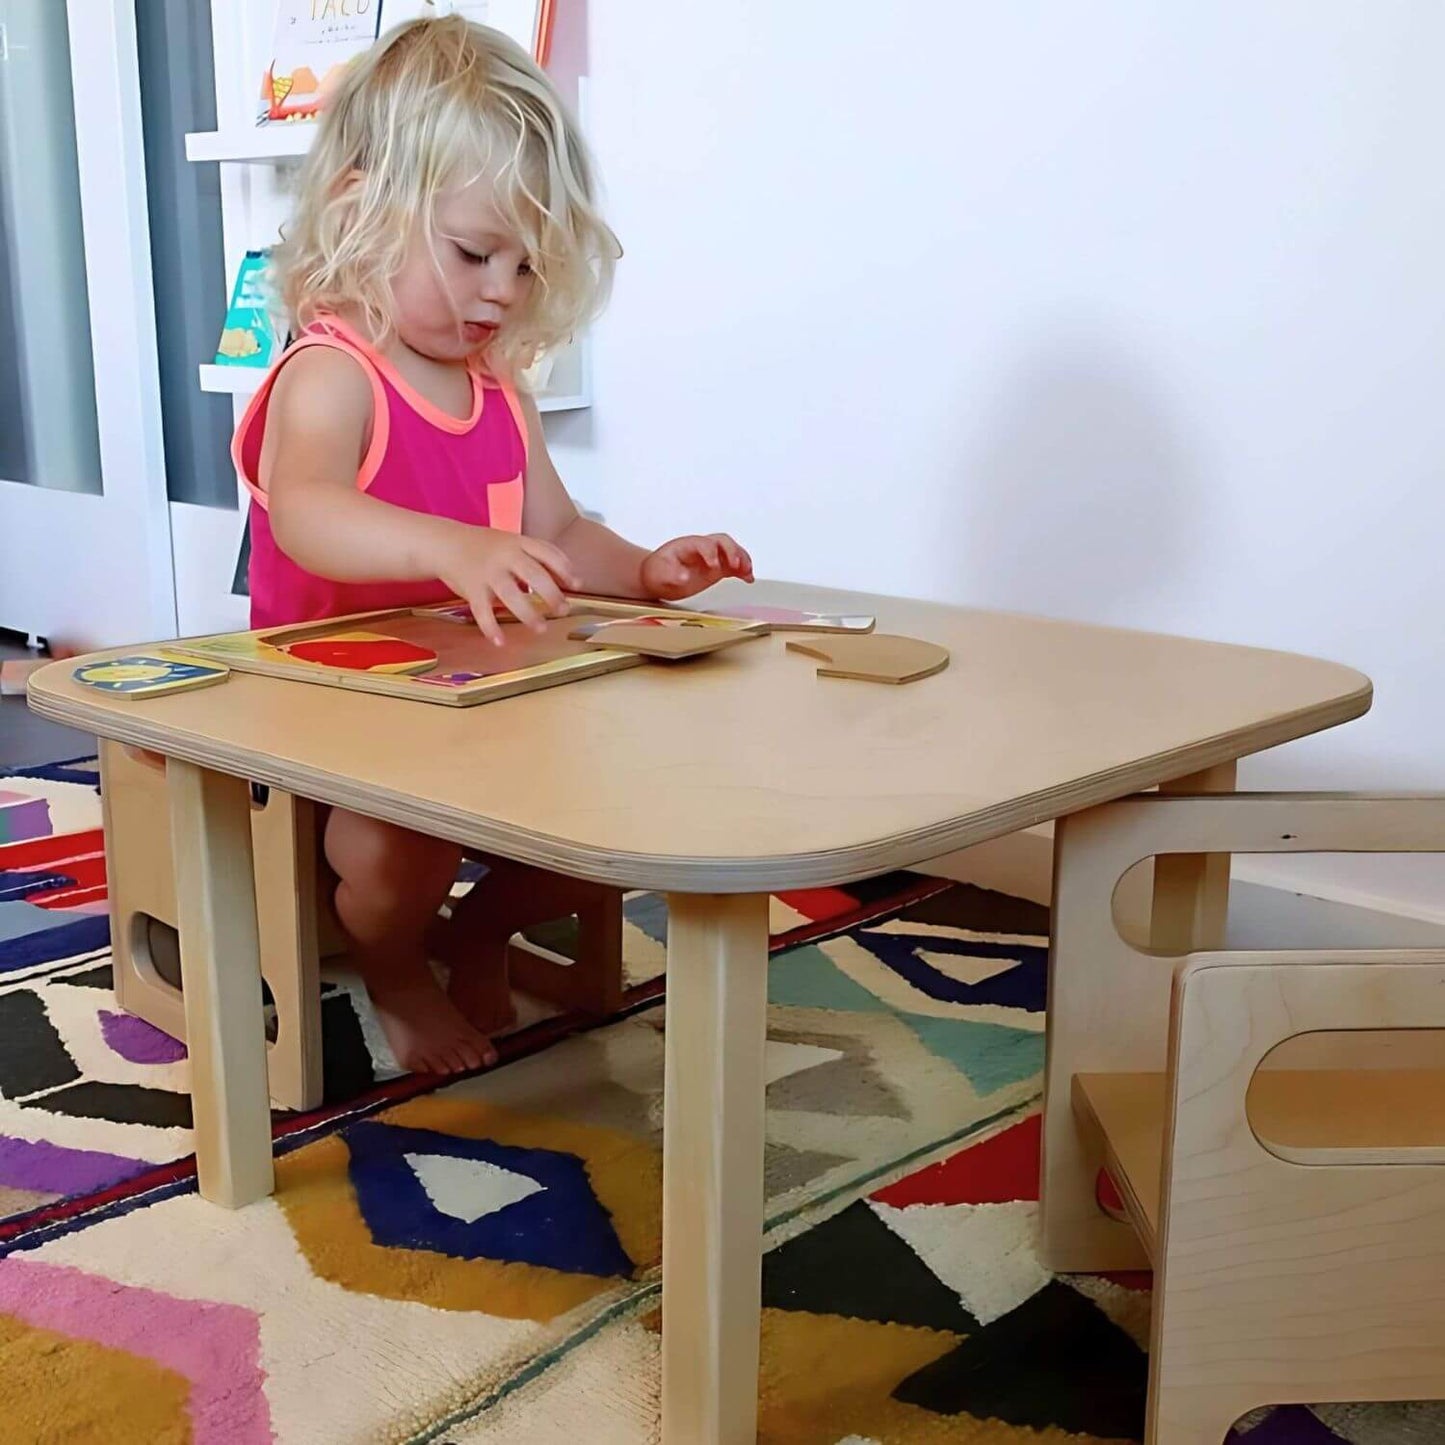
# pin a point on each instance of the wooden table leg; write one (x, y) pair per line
(712, 1211)
(1108, 1012)
(1191, 890)
(221, 983)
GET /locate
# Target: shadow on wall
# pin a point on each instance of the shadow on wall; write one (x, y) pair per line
(1083, 495)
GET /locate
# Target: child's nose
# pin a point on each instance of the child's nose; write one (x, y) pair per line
(500, 285)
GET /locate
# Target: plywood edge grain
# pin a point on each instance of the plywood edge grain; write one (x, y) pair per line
(53, 697)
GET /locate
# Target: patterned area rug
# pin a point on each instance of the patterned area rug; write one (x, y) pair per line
(920, 1315)
(478, 1261)
(95, 1104)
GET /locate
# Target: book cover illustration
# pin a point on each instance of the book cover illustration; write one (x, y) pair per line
(314, 40)
(248, 337)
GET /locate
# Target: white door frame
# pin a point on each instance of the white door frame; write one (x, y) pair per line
(77, 566)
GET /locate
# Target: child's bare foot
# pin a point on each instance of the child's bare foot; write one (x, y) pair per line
(480, 988)
(391, 883)
(427, 1032)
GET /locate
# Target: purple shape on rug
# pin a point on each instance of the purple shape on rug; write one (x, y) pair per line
(138, 1042)
(1289, 1425)
(23, 817)
(48, 1168)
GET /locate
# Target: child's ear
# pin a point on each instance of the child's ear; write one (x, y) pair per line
(348, 183)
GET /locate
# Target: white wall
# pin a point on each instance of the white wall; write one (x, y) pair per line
(1128, 312)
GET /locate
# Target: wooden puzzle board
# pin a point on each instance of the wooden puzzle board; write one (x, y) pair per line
(469, 669)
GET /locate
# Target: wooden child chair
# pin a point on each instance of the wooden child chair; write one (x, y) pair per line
(294, 933)
(1274, 1122)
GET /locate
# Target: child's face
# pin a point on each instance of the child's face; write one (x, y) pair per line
(449, 307)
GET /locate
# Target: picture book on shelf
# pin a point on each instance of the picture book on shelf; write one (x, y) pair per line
(314, 40)
(248, 337)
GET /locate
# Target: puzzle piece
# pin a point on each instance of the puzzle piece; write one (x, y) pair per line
(877, 658)
(362, 652)
(788, 619)
(591, 626)
(664, 637)
(148, 675)
(450, 679)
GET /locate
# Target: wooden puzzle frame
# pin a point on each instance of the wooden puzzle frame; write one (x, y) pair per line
(259, 652)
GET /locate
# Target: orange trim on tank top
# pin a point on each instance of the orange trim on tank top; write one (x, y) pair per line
(336, 334)
(380, 414)
(514, 406)
(428, 410)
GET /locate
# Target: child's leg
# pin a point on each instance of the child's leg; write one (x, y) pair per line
(392, 882)
(511, 897)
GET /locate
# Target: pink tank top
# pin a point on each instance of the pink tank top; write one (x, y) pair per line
(471, 470)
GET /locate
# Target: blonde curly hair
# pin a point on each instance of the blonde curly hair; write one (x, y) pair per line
(436, 103)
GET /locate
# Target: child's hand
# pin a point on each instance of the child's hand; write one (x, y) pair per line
(688, 565)
(483, 566)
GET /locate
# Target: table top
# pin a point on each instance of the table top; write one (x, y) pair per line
(744, 771)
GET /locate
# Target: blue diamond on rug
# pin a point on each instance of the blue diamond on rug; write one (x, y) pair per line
(1016, 979)
(477, 1199)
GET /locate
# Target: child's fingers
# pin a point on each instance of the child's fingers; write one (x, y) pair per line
(485, 616)
(738, 561)
(511, 596)
(547, 598)
(554, 559)
(704, 549)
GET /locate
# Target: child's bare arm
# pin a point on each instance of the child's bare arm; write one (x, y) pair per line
(318, 423)
(609, 564)
(317, 426)
(605, 563)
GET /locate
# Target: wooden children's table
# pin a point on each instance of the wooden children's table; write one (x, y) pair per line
(716, 782)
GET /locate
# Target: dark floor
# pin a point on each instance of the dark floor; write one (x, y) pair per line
(27, 740)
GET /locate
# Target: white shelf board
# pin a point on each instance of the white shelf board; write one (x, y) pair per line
(244, 380)
(237, 380)
(549, 402)
(260, 143)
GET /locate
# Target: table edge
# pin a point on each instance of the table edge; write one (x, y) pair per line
(719, 875)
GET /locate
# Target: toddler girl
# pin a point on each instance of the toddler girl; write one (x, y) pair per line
(445, 233)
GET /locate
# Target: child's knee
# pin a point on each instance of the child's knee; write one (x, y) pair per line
(385, 860)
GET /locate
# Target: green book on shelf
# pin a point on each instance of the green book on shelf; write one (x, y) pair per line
(248, 337)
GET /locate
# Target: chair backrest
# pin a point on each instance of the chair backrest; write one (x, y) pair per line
(1324, 1260)
(1095, 849)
